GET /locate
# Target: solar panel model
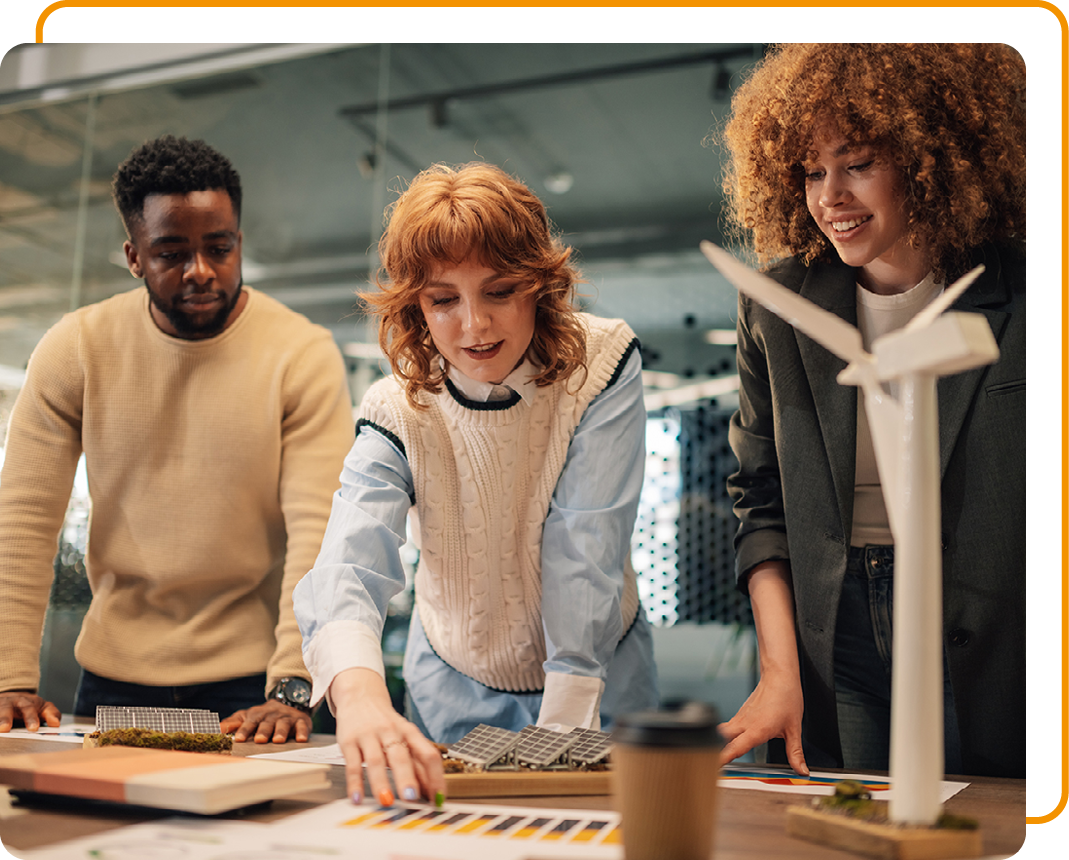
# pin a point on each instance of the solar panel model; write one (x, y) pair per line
(534, 748)
(544, 749)
(158, 719)
(488, 747)
(536, 761)
(591, 746)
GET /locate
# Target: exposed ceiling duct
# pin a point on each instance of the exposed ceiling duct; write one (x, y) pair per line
(610, 135)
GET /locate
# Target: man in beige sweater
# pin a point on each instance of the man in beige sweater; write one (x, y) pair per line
(214, 422)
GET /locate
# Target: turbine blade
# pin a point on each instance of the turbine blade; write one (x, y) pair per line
(944, 300)
(824, 327)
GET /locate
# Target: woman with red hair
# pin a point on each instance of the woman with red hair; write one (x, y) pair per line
(513, 428)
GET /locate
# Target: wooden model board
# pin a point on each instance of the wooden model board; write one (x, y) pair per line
(882, 840)
(164, 779)
(527, 783)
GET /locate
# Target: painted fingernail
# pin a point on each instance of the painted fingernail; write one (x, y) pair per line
(386, 797)
(358, 797)
(409, 793)
(439, 800)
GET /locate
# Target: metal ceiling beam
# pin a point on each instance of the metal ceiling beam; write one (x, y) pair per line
(151, 74)
(436, 99)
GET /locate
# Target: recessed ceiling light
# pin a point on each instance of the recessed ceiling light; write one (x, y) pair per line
(560, 182)
(721, 337)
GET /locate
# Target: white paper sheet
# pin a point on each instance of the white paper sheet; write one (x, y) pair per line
(316, 755)
(817, 783)
(70, 730)
(333, 833)
(170, 839)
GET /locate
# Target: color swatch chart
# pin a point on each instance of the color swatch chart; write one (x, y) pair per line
(576, 827)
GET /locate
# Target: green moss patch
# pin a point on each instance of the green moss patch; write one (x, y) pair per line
(186, 741)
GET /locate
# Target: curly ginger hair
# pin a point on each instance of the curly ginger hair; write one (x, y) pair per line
(446, 215)
(949, 117)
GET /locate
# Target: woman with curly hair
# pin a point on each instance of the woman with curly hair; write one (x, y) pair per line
(870, 176)
(513, 428)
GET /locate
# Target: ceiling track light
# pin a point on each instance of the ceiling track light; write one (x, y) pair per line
(720, 87)
(439, 111)
(366, 164)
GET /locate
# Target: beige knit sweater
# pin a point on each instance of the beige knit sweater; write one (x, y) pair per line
(211, 465)
(483, 481)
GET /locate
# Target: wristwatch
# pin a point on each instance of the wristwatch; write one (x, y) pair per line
(295, 692)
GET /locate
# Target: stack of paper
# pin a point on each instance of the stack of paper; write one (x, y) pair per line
(166, 779)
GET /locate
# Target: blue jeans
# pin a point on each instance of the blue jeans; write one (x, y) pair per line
(222, 697)
(863, 636)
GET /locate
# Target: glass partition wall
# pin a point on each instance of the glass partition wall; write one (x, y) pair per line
(612, 137)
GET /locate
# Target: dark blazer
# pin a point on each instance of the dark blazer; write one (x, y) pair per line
(795, 437)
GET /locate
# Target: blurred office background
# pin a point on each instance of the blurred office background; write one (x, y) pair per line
(611, 136)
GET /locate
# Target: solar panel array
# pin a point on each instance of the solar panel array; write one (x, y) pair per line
(484, 745)
(591, 746)
(533, 746)
(541, 747)
(158, 719)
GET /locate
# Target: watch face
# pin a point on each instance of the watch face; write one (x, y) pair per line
(298, 691)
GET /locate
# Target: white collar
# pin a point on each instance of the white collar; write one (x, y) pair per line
(521, 380)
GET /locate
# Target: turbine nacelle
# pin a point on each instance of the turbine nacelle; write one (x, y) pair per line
(954, 342)
(934, 343)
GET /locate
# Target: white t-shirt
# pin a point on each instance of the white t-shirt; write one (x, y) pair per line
(878, 315)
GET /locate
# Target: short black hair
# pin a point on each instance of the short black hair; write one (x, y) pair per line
(172, 165)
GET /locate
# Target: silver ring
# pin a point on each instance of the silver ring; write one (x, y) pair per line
(395, 742)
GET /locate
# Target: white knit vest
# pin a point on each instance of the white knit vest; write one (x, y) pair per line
(484, 477)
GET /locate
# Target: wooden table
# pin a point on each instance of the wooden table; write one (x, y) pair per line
(751, 823)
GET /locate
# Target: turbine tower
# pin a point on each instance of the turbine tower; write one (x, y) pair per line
(905, 435)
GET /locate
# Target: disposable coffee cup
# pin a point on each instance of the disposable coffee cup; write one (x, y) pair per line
(665, 766)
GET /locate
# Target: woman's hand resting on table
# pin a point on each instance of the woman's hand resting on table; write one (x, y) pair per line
(370, 732)
(773, 710)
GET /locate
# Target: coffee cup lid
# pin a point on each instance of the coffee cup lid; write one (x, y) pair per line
(692, 725)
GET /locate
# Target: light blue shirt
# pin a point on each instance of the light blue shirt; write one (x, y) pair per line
(340, 605)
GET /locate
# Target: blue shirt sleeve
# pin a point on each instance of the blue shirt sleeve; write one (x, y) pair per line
(586, 541)
(359, 565)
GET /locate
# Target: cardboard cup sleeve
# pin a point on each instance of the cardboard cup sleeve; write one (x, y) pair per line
(665, 766)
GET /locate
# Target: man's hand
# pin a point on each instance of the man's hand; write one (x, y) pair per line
(271, 721)
(28, 707)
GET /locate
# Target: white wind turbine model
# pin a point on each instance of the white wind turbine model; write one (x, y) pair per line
(905, 436)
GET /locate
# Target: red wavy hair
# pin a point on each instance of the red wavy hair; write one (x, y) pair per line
(447, 215)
